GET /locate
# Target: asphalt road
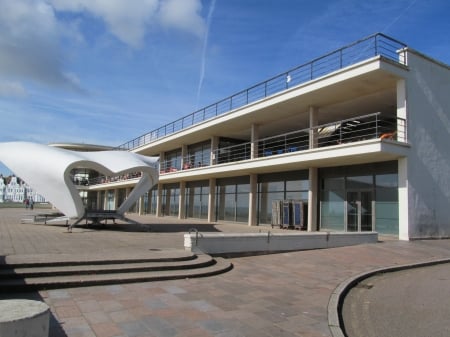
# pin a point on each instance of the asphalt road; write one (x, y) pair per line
(409, 303)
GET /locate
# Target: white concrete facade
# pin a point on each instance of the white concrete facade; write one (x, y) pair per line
(405, 168)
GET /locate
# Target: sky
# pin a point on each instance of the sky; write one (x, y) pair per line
(107, 71)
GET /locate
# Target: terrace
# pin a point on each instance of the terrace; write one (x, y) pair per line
(357, 129)
(374, 45)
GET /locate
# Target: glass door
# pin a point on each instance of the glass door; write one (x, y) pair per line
(359, 211)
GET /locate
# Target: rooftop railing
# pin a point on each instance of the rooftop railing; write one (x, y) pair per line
(374, 45)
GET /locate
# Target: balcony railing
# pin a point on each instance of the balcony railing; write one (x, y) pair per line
(372, 126)
(374, 45)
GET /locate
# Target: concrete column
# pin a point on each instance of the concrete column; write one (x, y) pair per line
(403, 205)
(105, 200)
(162, 163)
(212, 200)
(214, 147)
(159, 200)
(401, 111)
(116, 198)
(313, 199)
(313, 121)
(254, 141)
(185, 163)
(182, 201)
(253, 201)
(141, 205)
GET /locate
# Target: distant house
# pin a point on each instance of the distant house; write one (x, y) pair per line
(16, 190)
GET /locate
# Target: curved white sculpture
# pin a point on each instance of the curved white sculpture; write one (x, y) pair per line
(47, 169)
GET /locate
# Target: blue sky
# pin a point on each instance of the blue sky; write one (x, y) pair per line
(107, 71)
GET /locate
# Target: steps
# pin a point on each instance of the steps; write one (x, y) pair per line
(26, 273)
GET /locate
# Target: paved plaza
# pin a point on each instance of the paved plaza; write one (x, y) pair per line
(279, 295)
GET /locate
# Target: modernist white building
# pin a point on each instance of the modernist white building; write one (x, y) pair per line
(358, 138)
(17, 191)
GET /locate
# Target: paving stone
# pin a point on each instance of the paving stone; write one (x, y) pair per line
(277, 295)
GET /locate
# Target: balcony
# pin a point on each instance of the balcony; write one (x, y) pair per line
(353, 130)
(375, 45)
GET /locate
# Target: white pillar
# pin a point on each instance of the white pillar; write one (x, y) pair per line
(254, 141)
(313, 121)
(182, 201)
(253, 200)
(312, 199)
(116, 198)
(214, 147)
(401, 111)
(185, 163)
(403, 204)
(212, 200)
(158, 200)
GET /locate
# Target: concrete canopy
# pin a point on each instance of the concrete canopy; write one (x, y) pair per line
(47, 169)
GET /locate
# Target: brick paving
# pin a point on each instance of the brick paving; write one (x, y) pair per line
(280, 295)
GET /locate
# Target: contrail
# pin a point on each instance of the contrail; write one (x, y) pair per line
(205, 46)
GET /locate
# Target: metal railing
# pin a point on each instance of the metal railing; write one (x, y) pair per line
(366, 127)
(374, 45)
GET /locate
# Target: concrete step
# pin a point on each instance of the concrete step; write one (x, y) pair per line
(105, 257)
(107, 267)
(64, 276)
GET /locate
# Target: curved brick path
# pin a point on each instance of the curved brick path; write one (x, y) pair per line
(274, 295)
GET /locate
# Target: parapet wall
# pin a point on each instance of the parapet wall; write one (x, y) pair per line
(228, 243)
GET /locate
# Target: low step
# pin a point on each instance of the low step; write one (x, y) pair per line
(51, 260)
(104, 268)
(218, 266)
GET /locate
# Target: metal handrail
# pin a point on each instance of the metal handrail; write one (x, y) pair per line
(366, 48)
(365, 127)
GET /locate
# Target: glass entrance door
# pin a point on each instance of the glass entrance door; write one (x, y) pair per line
(359, 211)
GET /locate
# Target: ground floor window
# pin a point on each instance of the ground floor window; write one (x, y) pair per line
(360, 198)
(170, 199)
(150, 201)
(280, 186)
(197, 196)
(232, 201)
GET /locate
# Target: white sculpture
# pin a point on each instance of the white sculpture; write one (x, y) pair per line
(47, 169)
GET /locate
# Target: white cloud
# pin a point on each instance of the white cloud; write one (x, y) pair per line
(130, 20)
(36, 39)
(12, 89)
(127, 20)
(183, 15)
(29, 47)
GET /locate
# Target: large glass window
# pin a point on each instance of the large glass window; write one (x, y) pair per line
(360, 198)
(280, 186)
(172, 161)
(332, 204)
(170, 199)
(232, 199)
(197, 196)
(199, 154)
(386, 206)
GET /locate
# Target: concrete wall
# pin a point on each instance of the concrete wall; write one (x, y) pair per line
(223, 243)
(428, 168)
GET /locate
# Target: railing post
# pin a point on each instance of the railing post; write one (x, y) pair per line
(376, 45)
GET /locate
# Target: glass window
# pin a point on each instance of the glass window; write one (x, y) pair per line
(170, 199)
(332, 210)
(232, 199)
(197, 194)
(199, 154)
(293, 185)
(360, 182)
